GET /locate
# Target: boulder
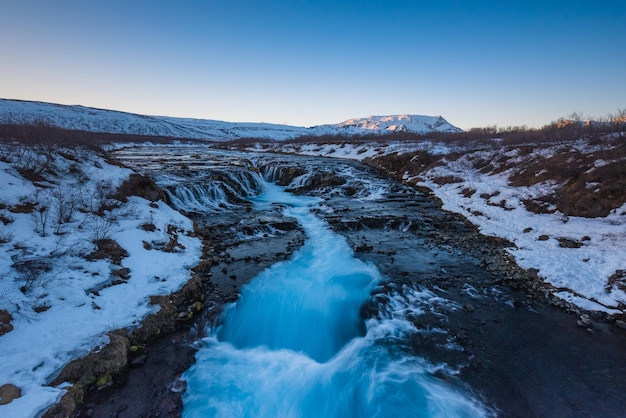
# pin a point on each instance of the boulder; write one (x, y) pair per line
(8, 392)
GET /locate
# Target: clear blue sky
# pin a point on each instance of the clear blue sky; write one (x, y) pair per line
(304, 63)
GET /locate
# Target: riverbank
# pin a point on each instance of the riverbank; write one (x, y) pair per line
(150, 385)
(523, 352)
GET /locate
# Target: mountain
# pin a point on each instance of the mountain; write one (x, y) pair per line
(99, 120)
(396, 123)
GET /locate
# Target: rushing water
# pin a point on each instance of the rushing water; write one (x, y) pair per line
(295, 345)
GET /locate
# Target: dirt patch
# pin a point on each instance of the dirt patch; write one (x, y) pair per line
(108, 248)
(26, 207)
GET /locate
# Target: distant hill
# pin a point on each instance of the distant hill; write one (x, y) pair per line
(396, 123)
(110, 121)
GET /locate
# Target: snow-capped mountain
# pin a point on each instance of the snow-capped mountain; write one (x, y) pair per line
(395, 123)
(111, 121)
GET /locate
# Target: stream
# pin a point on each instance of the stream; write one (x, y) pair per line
(295, 344)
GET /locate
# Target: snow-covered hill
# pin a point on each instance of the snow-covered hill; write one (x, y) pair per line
(396, 123)
(110, 121)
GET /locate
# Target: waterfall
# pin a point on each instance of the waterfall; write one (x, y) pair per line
(295, 345)
(216, 191)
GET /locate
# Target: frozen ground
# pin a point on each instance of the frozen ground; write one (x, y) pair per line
(579, 275)
(63, 302)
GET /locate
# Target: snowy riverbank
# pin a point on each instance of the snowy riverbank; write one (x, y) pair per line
(582, 258)
(77, 260)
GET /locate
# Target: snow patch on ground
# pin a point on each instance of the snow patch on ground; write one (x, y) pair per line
(357, 151)
(582, 272)
(62, 304)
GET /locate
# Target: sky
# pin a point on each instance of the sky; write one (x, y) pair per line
(310, 62)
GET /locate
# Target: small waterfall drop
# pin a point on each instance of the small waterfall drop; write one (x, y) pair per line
(221, 189)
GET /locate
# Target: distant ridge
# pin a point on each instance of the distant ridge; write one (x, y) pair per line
(76, 117)
(396, 123)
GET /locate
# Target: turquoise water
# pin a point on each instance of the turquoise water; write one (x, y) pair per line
(294, 344)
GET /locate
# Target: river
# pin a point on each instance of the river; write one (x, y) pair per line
(295, 344)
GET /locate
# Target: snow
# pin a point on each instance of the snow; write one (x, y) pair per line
(100, 120)
(579, 275)
(83, 304)
(395, 123)
(359, 151)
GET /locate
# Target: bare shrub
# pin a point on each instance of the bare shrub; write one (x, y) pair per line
(31, 270)
(30, 162)
(6, 235)
(100, 227)
(64, 202)
(139, 185)
(41, 214)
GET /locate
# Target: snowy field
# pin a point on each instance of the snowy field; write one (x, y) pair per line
(62, 301)
(579, 275)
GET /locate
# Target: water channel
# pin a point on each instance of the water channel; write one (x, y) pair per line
(296, 345)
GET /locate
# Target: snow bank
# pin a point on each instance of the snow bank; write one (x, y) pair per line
(62, 304)
(581, 274)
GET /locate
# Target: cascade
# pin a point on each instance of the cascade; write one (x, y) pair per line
(218, 190)
(295, 345)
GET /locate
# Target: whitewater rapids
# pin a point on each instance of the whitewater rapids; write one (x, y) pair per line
(295, 345)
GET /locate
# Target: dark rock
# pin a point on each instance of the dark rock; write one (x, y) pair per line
(139, 360)
(5, 322)
(123, 273)
(41, 308)
(569, 243)
(468, 307)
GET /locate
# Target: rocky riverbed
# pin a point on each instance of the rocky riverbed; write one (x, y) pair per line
(493, 323)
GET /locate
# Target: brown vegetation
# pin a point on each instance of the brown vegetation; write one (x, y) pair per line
(589, 176)
(43, 133)
(108, 248)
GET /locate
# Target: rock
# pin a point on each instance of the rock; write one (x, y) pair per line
(620, 324)
(110, 360)
(41, 308)
(5, 322)
(288, 174)
(139, 360)
(123, 273)
(543, 237)
(468, 307)
(322, 179)
(569, 243)
(8, 393)
(288, 224)
(584, 321)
